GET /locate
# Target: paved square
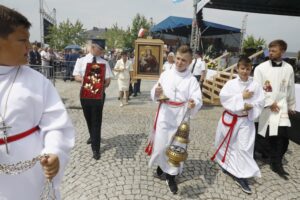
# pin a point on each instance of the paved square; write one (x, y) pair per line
(123, 173)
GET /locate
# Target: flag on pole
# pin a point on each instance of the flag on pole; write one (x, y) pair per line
(177, 1)
(141, 32)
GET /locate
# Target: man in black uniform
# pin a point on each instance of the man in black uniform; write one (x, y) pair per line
(94, 73)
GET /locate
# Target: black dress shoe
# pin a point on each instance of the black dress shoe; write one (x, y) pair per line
(96, 155)
(278, 169)
(159, 171)
(172, 183)
(89, 141)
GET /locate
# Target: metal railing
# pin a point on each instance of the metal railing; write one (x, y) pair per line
(60, 69)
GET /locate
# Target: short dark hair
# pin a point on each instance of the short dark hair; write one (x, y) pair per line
(244, 60)
(185, 49)
(280, 43)
(124, 53)
(11, 19)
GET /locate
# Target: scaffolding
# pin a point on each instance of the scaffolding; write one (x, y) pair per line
(196, 31)
(45, 14)
(243, 32)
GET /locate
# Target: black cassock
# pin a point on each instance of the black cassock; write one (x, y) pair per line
(262, 144)
(294, 131)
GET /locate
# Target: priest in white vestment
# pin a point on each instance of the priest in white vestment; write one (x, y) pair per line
(277, 79)
(33, 119)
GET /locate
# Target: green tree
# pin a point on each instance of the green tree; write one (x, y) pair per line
(138, 22)
(251, 43)
(118, 38)
(66, 33)
(114, 37)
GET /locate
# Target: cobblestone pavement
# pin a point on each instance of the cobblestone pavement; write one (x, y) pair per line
(123, 173)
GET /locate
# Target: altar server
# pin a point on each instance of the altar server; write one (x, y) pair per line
(243, 101)
(183, 91)
(33, 119)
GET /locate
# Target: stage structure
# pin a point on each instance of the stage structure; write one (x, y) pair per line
(196, 31)
(47, 20)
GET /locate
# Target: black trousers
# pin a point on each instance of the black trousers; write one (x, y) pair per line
(130, 88)
(273, 146)
(137, 86)
(92, 110)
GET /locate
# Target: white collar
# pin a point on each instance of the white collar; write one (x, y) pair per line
(250, 79)
(6, 69)
(181, 74)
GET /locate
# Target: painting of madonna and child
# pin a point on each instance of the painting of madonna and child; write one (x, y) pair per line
(149, 59)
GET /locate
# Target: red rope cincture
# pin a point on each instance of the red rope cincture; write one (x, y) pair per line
(228, 134)
(149, 147)
(19, 136)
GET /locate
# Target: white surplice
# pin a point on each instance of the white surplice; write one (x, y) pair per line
(283, 92)
(239, 158)
(179, 87)
(32, 101)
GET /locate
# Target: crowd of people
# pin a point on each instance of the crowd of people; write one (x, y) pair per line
(44, 131)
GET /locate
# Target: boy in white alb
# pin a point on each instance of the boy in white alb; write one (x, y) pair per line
(33, 119)
(183, 91)
(243, 100)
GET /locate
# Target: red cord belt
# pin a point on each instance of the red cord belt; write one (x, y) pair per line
(19, 136)
(149, 147)
(229, 133)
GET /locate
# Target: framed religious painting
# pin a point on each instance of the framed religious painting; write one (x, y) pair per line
(148, 60)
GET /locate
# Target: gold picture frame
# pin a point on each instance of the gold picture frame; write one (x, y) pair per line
(148, 60)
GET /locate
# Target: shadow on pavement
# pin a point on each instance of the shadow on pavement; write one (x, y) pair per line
(126, 145)
(202, 171)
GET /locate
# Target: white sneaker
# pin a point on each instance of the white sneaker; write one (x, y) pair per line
(121, 105)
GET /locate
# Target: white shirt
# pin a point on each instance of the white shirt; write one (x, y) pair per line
(168, 66)
(81, 63)
(45, 56)
(199, 67)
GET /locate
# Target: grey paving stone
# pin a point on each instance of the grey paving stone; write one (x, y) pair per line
(123, 173)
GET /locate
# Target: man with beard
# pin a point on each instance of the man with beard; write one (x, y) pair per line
(277, 78)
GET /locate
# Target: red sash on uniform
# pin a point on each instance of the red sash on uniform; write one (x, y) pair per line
(93, 81)
(20, 135)
(149, 147)
(229, 133)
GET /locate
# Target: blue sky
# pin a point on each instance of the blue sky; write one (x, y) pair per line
(105, 13)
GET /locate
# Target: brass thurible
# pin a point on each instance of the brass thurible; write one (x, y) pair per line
(176, 153)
